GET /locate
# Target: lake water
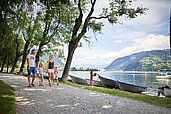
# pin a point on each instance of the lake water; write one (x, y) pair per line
(141, 78)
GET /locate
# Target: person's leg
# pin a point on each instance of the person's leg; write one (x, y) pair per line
(42, 80)
(29, 80)
(34, 76)
(57, 81)
(29, 73)
(52, 77)
(39, 80)
(49, 75)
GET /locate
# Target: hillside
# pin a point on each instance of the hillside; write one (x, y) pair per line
(144, 61)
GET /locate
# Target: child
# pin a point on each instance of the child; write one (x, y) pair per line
(56, 75)
(40, 74)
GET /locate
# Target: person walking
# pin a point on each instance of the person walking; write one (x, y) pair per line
(56, 75)
(31, 67)
(40, 69)
(50, 69)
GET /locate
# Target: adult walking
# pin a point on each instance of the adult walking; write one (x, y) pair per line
(31, 67)
(50, 69)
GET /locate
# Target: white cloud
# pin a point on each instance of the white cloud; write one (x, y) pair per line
(151, 42)
(85, 57)
(118, 41)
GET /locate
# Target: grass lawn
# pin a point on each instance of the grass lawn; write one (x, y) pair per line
(159, 101)
(7, 99)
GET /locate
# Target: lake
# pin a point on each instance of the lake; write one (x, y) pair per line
(142, 78)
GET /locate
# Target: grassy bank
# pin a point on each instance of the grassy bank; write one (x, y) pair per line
(158, 101)
(7, 99)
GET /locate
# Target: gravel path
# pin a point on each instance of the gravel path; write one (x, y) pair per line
(65, 99)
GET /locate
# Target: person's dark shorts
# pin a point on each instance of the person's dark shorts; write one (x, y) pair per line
(32, 70)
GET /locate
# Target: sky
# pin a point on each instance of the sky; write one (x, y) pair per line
(144, 33)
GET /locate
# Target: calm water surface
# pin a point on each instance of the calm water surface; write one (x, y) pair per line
(142, 78)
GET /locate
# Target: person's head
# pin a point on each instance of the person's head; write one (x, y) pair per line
(51, 57)
(40, 65)
(33, 51)
(56, 68)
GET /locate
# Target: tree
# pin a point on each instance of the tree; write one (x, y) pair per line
(38, 27)
(117, 8)
(18, 53)
(53, 22)
(6, 35)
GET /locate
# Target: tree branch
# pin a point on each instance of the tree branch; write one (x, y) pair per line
(78, 22)
(24, 36)
(86, 21)
(101, 17)
(54, 32)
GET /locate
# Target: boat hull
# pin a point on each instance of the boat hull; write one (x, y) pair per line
(165, 91)
(95, 83)
(78, 80)
(109, 82)
(164, 77)
(131, 87)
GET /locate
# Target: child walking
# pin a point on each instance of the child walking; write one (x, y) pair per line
(56, 75)
(40, 74)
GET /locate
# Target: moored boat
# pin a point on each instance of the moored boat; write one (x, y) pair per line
(131, 87)
(164, 76)
(78, 80)
(166, 91)
(95, 82)
(110, 83)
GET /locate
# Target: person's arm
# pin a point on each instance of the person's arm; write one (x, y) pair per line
(28, 62)
(47, 66)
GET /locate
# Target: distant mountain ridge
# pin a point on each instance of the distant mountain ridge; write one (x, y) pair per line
(143, 61)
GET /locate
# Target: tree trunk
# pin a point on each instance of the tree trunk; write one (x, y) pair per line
(39, 51)
(14, 64)
(71, 51)
(3, 64)
(7, 66)
(17, 56)
(25, 52)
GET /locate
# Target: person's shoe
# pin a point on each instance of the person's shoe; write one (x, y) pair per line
(33, 85)
(29, 86)
(57, 84)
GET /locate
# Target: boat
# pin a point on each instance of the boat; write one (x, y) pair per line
(131, 87)
(95, 83)
(166, 91)
(166, 75)
(110, 83)
(78, 80)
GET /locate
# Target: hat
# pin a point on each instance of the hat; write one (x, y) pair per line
(33, 49)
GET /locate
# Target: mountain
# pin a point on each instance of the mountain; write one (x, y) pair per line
(143, 61)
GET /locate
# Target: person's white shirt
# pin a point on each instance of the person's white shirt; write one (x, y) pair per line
(32, 59)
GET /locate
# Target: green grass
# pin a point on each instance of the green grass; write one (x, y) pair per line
(158, 101)
(7, 99)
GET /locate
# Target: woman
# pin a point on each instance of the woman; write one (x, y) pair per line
(50, 69)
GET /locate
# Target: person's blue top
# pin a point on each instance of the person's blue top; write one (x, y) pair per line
(51, 65)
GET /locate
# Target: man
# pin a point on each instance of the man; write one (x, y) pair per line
(31, 66)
